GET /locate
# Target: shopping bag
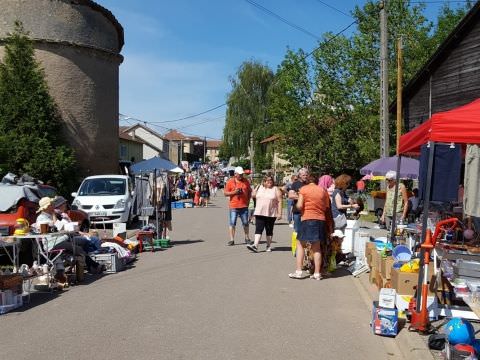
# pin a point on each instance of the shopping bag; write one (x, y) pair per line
(332, 262)
(340, 221)
(294, 243)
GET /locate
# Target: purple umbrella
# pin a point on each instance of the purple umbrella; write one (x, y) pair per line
(409, 168)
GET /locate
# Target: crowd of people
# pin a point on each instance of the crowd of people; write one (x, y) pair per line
(316, 209)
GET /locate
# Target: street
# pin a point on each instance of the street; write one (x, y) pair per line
(200, 300)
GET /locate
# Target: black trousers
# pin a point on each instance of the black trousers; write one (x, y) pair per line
(264, 222)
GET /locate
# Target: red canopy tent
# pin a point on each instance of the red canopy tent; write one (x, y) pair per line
(459, 125)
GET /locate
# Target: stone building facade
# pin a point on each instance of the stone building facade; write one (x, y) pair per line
(78, 44)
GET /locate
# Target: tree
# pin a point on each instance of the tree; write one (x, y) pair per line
(290, 100)
(246, 111)
(31, 138)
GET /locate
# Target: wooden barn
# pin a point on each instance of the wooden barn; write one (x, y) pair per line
(450, 78)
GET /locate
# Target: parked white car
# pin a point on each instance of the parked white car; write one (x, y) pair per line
(106, 198)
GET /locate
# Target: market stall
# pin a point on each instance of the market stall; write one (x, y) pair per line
(441, 142)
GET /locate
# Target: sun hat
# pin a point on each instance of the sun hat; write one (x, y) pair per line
(44, 203)
(239, 170)
(338, 233)
(59, 201)
(391, 175)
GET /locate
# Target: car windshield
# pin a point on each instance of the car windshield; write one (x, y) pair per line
(102, 187)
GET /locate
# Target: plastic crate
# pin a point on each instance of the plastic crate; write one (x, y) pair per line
(111, 261)
(177, 205)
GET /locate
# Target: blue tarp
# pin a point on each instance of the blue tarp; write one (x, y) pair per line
(152, 164)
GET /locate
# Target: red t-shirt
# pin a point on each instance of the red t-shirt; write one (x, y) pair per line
(239, 201)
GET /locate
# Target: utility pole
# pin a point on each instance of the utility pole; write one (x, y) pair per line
(399, 90)
(251, 154)
(384, 128)
(205, 150)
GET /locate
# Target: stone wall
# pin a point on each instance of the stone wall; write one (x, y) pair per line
(78, 44)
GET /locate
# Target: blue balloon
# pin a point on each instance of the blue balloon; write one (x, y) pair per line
(460, 331)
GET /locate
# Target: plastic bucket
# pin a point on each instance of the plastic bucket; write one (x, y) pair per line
(401, 253)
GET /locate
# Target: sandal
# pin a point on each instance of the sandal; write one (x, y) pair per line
(297, 275)
(316, 276)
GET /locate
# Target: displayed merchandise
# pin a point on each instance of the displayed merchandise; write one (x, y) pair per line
(459, 331)
(387, 298)
(446, 172)
(384, 321)
(471, 196)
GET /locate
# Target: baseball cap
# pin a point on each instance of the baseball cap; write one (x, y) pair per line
(239, 170)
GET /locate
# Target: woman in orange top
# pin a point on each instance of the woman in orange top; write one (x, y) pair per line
(314, 203)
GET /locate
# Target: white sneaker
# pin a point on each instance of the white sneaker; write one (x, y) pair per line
(269, 249)
(290, 225)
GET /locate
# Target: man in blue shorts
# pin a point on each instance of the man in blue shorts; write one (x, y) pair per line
(239, 191)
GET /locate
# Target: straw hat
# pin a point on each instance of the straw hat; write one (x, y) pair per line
(44, 203)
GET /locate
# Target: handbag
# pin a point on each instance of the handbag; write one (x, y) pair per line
(340, 221)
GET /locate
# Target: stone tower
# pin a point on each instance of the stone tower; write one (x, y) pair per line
(78, 44)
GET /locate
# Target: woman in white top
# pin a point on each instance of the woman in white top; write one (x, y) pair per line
(268, 209)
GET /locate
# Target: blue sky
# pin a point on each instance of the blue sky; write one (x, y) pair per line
(180, 54)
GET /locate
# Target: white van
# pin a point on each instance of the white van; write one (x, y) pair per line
(106, 198)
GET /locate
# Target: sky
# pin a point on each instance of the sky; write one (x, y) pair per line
(179, 55)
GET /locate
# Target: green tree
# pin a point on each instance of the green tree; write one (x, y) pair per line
(290, 100)
(447, 19)
(31, 140)
(246, 112)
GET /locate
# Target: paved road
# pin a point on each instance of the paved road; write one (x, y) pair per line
(200, 300)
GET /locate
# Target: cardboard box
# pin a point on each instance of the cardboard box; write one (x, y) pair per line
(379, 280)
(376, 259)
(402, 302)
(386, 267)
(405, 283)
(384, 321)
(372, 277)
(370, 247)
(387, 298)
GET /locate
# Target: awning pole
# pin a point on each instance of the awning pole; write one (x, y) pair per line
(394, 215)
(426, 207)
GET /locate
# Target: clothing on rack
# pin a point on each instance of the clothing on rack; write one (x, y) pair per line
(471, 196)
(445, 179)
(141, 205)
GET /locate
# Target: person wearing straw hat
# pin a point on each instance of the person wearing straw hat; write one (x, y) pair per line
(47, 215)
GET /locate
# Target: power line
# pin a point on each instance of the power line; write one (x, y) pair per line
(282, 19)
(190, 116)
(201, 122)
(334, 8)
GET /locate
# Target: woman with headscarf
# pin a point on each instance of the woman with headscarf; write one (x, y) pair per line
(326, 182)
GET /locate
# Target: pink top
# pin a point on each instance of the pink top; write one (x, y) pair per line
(267, 203)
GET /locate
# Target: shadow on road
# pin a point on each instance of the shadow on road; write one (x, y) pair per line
(185, 242)
(282, 248)
(340, 272)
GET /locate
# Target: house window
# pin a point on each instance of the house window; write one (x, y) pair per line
(123, 151)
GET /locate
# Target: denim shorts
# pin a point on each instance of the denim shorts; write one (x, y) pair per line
(312, 231)
(242, 212)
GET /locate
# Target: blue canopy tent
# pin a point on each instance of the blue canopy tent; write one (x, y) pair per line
(155, 163)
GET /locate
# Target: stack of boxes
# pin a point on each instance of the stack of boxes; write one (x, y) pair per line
(394, 284)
